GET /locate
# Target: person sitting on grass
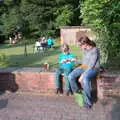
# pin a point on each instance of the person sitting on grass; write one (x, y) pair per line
(66, 63)
(88, 70)
(43, 43)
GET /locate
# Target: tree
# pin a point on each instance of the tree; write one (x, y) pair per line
(2, 11)
(67, 13)
(64, 15)
(103, 16)
(11, 17)
(39, 15)
(12, 21)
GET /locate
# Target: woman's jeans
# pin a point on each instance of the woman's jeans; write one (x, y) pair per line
(57, 80)
(86, 82)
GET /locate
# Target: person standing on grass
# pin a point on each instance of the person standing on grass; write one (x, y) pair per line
(66, 63)
(37, 46)
(50, 42)
(88, 70)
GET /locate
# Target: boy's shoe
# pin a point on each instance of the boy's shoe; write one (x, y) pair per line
(68, 92)
(79, 99)
(58, 90)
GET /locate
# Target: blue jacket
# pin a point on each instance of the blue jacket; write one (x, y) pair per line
(66, 65)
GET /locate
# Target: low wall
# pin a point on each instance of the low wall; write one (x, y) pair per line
(108, 85)
(27, 79)
(35, 80)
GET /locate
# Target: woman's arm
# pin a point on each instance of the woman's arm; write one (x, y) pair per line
(92, 59)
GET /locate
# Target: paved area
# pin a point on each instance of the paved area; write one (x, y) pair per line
(26, 106)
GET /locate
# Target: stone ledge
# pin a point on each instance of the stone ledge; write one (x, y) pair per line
(23, 69)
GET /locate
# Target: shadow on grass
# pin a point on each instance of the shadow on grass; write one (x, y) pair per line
(33, 59)
(6, 46)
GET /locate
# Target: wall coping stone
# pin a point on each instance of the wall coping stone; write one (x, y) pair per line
(112, 73)
(23, 69)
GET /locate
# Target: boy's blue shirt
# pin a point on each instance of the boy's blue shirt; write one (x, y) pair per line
(68, 65)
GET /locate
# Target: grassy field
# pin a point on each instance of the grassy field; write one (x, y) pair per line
(14, 55)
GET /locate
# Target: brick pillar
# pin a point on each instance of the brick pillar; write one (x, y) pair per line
(108, 85)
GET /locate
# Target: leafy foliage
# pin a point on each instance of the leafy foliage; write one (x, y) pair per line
(10, 25)
(64, 15)
(3, 60)
(103, 16)
(37, 17)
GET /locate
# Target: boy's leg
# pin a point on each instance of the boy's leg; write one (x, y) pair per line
(67, 84)
(57, 77)
(57, 81)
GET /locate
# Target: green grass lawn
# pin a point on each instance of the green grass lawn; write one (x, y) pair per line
(15, 56)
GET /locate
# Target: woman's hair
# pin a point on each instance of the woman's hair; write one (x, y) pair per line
(85, 40)
(65, 47)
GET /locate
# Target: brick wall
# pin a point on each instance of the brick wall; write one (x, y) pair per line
(108, 85)
(43, 82)
(28, 81)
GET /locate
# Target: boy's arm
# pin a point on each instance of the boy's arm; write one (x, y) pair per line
(73, 58)
(60, 59)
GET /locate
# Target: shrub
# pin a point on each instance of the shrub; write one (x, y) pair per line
(3, 60)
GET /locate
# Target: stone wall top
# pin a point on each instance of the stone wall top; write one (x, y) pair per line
(23, 69)
(115, 73)
(112, 73)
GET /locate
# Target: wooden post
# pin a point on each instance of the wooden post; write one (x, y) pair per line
(25, 49)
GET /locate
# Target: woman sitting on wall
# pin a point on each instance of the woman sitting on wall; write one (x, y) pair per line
(89, 69)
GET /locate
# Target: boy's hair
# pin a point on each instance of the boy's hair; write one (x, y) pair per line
(65, 47)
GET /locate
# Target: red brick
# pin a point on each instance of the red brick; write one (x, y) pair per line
(44, 82)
